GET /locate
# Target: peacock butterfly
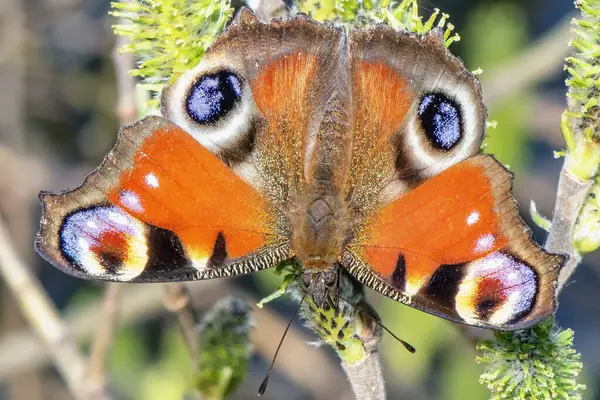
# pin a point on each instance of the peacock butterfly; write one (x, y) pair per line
(345, 149)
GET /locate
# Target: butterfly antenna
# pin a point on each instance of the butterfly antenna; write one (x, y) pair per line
(406, 345)
(265, 382)
(338, 286)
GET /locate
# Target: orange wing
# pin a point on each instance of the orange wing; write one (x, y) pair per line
(161, 207)
(456, 247)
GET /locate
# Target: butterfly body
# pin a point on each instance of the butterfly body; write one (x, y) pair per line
(339, 149)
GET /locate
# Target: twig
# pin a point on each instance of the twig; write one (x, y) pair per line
(18, 176)
(96, 382)
(366, 378)
(571, 195)
(12, 73)
(42, 316)
(179, 301)
(127, 111)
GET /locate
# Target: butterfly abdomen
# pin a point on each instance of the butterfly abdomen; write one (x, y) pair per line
(319, 226)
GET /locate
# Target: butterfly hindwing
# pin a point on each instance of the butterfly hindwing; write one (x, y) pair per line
(456, 247)
(161, 207)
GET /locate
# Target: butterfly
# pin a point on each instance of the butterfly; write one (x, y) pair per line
(295, 140)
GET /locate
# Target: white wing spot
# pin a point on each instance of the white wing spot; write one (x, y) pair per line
(485, 243)
(83, 244)
(117, 217)
(151, 180)
(473, 218)
(514, 276)
(131, 201)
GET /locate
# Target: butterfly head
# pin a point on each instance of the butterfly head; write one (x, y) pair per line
(320, 284)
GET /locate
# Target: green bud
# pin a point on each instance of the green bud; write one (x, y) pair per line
(535, 363)
(224, 348)
(169, 37)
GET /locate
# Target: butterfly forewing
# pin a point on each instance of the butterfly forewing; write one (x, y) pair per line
(393, 74)
(287, 80)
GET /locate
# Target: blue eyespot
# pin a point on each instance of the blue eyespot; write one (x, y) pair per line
(213, 96)
(441, 120)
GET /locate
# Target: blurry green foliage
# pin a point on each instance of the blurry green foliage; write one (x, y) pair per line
(140, 374)
(459, 374)
(428, 334)
(169, 377)
(495, 32)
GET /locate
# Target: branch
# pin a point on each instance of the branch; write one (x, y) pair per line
(366, 377)
(571, 195)
(179, 301)
(95, 380)
(42, 316)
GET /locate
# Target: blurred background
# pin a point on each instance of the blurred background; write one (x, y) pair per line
(58, 118)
